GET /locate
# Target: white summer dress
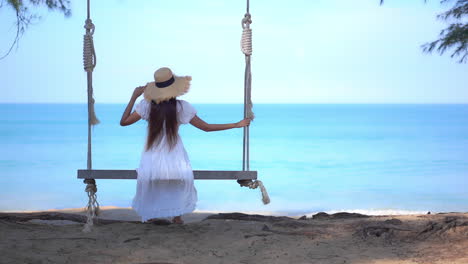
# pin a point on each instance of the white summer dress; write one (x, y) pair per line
(165, 185)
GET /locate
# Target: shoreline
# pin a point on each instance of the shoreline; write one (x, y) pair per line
(372, 212)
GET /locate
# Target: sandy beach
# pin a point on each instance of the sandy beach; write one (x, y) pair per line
(56, 236)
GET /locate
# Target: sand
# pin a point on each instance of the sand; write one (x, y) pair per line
(57, 237)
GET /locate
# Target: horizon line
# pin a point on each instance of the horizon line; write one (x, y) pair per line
(265, 103)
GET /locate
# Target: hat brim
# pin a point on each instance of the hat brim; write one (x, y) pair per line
(180, 86)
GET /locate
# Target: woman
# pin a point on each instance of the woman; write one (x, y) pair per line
(165, 178)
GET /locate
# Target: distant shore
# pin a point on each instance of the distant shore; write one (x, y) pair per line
(56, 236)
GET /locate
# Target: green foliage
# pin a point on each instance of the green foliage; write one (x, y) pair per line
(455, 36)
(24, 17)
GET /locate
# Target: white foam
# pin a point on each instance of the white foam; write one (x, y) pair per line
(373, 212)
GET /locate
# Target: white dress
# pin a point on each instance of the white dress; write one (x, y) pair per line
(165, 185)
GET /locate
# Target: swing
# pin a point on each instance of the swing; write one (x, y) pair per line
(245, 177)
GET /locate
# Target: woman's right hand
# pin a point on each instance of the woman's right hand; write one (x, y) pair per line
(138, 91)
(243, 123)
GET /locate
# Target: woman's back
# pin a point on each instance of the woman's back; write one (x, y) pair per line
(184, 113)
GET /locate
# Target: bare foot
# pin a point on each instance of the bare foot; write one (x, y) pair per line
(177, 220)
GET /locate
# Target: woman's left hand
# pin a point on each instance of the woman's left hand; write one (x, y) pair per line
(138, 91)
(243, 123)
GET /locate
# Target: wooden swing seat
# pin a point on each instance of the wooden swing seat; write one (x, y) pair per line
(198, 175)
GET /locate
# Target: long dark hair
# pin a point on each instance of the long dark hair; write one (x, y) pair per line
(163, 115)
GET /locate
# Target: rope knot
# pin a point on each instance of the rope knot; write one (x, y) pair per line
(89, 54)
(89, 63)
(247, 20)
(92, 208)
(89, 26)
(246, 41)
(91, 188)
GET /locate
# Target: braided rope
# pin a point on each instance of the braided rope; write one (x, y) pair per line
(89, 54)
(246, 48)
(89, 63)
(92, 208)
(246, 40)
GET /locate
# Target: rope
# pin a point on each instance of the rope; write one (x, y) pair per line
(89, 63)
(246, 41)
(89, 54)
(254, 185)
(92, 208)
(246, 48)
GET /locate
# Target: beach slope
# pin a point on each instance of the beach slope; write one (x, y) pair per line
(57, 237)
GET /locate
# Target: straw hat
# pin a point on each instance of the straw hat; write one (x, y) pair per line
(166, 85)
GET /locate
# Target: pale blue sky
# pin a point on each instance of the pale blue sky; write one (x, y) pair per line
(320, 51)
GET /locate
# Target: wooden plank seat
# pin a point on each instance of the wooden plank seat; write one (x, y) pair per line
(198, 174)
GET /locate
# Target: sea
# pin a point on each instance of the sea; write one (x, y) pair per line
(367, 158)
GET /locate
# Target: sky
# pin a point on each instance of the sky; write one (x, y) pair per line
(304, 51)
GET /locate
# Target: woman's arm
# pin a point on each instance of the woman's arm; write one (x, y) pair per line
(200, 124)
(127, 118)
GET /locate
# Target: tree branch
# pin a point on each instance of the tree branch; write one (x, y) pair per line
(455, 36)
(24, 18)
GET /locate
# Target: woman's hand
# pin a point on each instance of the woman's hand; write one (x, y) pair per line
(243, 123)
(127, 118)
(138, 91)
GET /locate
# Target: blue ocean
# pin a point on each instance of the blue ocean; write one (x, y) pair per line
(311, 157)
